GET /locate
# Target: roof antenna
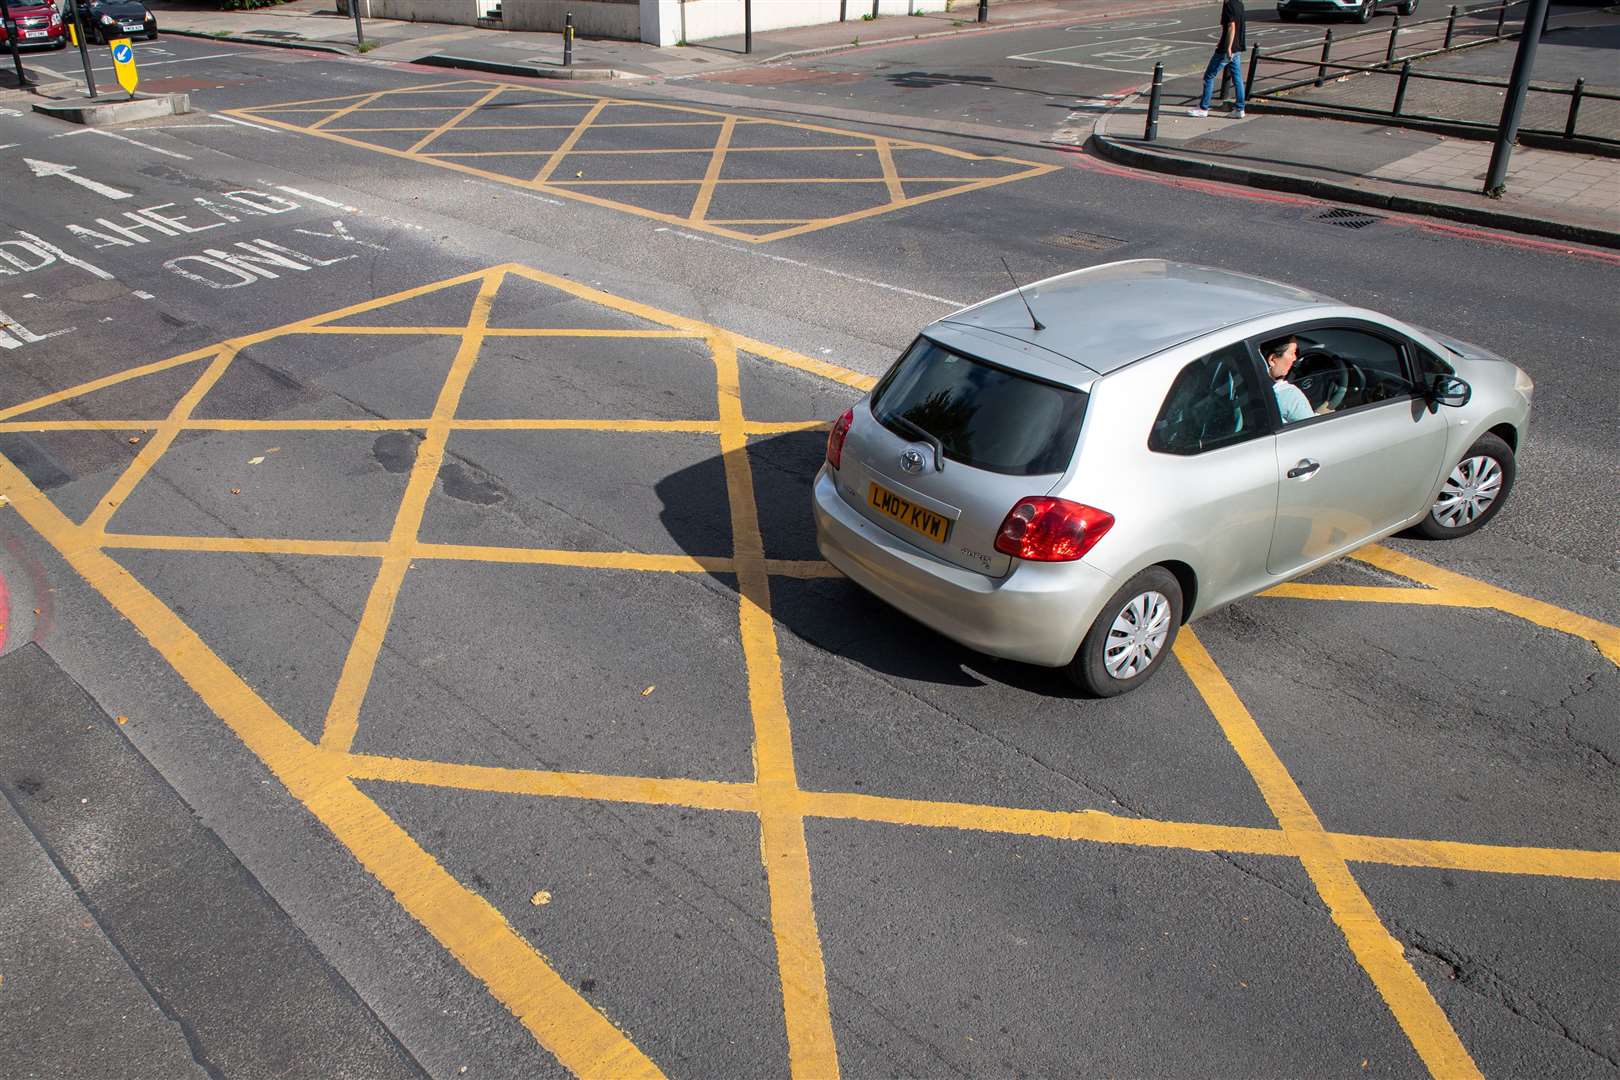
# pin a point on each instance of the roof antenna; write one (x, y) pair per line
(1038, 324)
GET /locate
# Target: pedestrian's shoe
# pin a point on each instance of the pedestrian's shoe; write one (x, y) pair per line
(1197, 112)
(1238, 114)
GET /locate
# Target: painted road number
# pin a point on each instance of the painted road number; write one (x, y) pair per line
(123, 55)
(909, 514)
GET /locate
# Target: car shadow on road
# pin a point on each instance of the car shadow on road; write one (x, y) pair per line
(831, 612)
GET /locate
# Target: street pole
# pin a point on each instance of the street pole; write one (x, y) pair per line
(1513, 108)
(984, 11)
(84, 49)
(568, 39)
(359, 31)
(748, 26)
(11, 37)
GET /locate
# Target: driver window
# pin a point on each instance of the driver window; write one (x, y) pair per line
(1340, 368)
(1214, 402)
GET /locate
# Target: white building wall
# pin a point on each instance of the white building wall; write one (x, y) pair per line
(658, 22)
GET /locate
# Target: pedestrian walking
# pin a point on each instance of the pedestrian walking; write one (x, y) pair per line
(1228, 54)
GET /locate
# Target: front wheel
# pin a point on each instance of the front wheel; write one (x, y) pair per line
(1131, 636)
(1369, 8)
(1408, 8)
(1474, 491)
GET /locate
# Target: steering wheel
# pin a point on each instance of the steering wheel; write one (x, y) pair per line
(1324, 377)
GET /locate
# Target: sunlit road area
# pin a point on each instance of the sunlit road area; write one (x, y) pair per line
(416, 657)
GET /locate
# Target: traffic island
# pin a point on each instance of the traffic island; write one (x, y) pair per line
(110, 112)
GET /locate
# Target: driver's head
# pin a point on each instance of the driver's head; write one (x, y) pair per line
(1280, 356)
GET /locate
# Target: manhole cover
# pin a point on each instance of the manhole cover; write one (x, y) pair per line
(1085, 241)
(1346, 219)
(1219, 146)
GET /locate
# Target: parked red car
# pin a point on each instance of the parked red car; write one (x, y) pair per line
(37, 25)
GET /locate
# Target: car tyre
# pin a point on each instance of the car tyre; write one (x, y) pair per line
(1408, 8)
(1131, 636)
(1369, 8)
(1473, 493)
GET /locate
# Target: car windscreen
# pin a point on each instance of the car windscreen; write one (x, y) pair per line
(984, 416)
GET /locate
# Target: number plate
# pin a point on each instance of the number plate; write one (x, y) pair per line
(34, 33)
(917, 518)
(133, 28)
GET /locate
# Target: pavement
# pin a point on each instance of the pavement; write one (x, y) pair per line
(316, 24)
(1312, 141)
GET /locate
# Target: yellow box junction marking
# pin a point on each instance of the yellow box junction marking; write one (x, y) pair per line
(469, 100)
(323, 775)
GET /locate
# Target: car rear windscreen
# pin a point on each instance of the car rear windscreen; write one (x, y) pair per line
(983, 416)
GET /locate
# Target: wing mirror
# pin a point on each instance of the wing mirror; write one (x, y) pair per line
(1448, 390)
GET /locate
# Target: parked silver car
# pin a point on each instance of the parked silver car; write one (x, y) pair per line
(1067, 483)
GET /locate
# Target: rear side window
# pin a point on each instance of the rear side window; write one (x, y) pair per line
(983, 416)
(1214, 402)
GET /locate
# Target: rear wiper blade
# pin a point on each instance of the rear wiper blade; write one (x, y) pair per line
(931, 440)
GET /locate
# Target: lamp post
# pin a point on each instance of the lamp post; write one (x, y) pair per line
(84, 49)
(11, 38)
(1513, 108)
(359, 31)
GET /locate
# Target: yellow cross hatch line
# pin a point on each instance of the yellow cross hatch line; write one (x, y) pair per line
(322, 775)
(510, 144)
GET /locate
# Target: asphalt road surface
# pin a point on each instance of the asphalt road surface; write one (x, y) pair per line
(419, 660)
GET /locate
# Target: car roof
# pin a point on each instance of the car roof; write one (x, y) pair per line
(1105, 317)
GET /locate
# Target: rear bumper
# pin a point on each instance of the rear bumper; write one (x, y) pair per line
(1037, 613)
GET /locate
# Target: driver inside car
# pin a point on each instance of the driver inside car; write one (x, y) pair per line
(1291, 401)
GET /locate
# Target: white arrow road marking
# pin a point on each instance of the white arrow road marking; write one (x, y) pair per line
(66, 172)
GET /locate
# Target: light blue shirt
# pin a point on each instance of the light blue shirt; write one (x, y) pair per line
(1291, 401)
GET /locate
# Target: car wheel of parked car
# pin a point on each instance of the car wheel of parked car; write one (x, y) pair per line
(1473, 493)
(1369, 8)
(1131, 637)
(1408, 8)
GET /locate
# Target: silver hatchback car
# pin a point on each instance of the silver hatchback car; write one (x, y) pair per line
(1066, 482)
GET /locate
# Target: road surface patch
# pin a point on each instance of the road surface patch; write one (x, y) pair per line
(414, 562)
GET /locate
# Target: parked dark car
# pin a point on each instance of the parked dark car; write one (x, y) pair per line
(1358, 10)
(38, 25)
(105, 20)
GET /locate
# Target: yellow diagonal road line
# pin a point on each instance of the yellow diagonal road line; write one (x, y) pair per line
(1379, 954)
(1475, 593)
(466, 924)
(343, 717)
(568, 142)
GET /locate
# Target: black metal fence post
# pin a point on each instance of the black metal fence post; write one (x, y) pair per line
(984, 11)
(1254, 69)
(84, 50)
(748, 26)
(1152, 130)
(359, 31)
(1226, 84)
(11, 38)
(1389, 53)
(1451, 26)
(843, 10)
(874, 8)
(1400, 87)
(1327, 50)
(1574, 107)
(1513, 105)
(1501, 18)
(568, 39)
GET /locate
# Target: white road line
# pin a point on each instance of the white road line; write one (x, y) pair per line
(152, 64)
(516, 191)
(811, 266)
(9, 145)
(244, 123)
(312, 197)
(142, 295)
(70, 174)
(135, 142)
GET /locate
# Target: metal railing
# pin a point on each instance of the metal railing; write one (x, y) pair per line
(1322, 68)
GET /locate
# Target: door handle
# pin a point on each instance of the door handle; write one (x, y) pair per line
(1305, 468)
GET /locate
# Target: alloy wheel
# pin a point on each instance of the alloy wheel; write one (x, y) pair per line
(1468, 492)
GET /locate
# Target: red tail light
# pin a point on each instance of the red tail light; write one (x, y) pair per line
(835, 438)
(1051, 530)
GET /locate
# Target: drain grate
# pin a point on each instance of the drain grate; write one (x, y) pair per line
(1085, 241)
(1346, 219)
(1215, 146)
